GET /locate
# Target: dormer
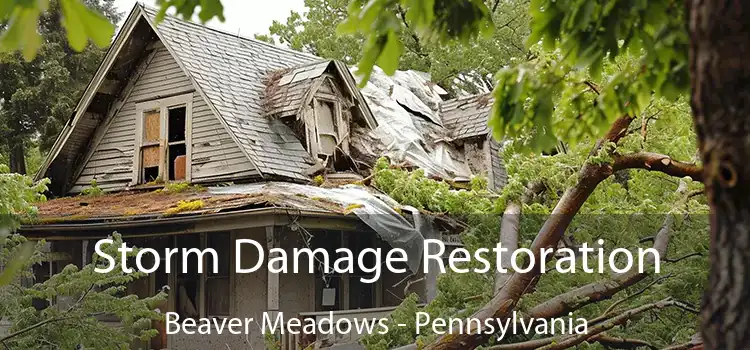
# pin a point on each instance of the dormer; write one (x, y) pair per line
(321, 103)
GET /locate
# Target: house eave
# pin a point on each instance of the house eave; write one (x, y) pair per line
(190, 223)
(91, 89)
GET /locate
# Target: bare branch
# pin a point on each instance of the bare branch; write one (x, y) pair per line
(576, 339)
(604, 289)
(683, 257)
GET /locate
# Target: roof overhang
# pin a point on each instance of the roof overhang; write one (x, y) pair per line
(191, 223)
(91, 89)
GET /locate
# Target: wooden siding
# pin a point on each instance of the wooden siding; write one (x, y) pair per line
(215, 155)
(497, 168)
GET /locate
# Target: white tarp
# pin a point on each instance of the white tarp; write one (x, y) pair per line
(376, 211)
(392, 101)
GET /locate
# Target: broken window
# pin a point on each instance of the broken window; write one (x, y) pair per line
(163, 151)
(176, 137)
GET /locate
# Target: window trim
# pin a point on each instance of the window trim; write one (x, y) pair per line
(337, 120)
(163, 105)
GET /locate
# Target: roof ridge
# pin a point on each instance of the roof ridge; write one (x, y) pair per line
(149, 9)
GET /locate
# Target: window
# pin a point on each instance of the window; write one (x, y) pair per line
(204, 294)
(327, 134)
(330, 131)
(163, 144)
(217, 284)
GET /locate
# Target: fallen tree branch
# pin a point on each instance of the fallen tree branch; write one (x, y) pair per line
(595, 333)
(643, 290)
(657, 162)
(604, 289)
(576, 339)
(517, 284)
(508, 239)
(695, 343)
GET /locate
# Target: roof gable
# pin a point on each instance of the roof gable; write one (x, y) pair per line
(230, 72)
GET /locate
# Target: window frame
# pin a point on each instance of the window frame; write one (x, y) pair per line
(341, 137)
(163, 105)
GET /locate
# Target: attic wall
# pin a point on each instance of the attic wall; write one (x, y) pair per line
(216, 156)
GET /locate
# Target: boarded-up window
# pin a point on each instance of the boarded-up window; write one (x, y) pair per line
(150, 148)
(163, 151)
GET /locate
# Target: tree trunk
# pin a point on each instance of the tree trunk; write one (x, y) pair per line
(720, 79)
(17, 157)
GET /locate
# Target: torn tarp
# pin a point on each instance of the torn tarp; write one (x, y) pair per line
(375, 210)
(409, 127)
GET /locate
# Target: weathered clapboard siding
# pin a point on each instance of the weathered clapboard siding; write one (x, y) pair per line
(499, 176)
(215, 155)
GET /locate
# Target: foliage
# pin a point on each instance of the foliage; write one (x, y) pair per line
(80, 22)
(93, 190)
(186, 8)
(272, 341)
(623, 210)
(454, 66)
(623, 50)
(180, 187)
(184, 206)
(382, 22)
(397, 335)
(18, 194)
(37, 96)
(416, 190)
(66, 309)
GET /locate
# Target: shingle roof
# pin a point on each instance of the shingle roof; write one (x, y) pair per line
(288, 89)
(231, 71)
(467, 116)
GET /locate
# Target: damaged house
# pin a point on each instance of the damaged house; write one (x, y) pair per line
(260, 128)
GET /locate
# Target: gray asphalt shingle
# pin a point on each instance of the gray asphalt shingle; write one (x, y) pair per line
(467, 116)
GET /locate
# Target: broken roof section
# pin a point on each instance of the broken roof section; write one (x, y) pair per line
(467, 116)
(410, 128)
(380, 212)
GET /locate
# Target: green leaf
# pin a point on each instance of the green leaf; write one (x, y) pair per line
(21, 33)
(82, 24)
(392, 49)
(16, 263)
